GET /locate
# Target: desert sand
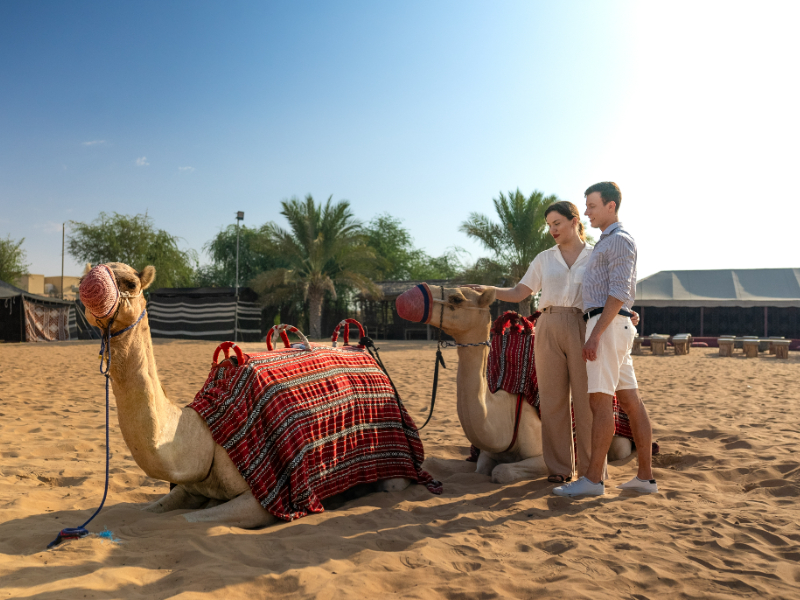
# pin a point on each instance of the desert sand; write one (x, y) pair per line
(724, 525)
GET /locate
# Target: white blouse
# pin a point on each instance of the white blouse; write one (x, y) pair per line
(560, 285)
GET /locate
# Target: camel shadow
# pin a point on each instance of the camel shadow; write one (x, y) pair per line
(379, 522)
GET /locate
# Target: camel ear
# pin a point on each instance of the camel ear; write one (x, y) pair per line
(87, 268)
(147, 276)
(487, 297)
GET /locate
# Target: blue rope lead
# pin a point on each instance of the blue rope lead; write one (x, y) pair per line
(75, 533)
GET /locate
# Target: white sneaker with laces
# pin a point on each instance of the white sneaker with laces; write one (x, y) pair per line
(580, 487)
(643, 486)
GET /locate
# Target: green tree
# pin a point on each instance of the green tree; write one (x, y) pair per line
(519, 236)
(323, 247)
(254, 257)
(399, 260)
(135, 241)
(12, 260)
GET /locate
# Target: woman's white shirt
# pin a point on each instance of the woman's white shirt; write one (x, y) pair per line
(560, 285)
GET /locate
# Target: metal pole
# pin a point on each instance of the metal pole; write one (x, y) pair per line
(237, 258)
(766, 321)
(63, 232)
(239, 217)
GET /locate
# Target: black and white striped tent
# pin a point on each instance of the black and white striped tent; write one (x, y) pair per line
(205, 314)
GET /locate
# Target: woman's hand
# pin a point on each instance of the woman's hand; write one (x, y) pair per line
(634, 318)
(477, 287)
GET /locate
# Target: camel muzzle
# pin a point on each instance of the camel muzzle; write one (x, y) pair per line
(416, 304)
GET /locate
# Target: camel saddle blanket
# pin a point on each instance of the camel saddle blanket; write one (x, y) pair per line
(512, 366)
(304, 425)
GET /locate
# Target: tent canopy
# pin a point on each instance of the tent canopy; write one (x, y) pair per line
(721, 287)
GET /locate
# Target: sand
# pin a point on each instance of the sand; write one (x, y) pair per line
(724, 525)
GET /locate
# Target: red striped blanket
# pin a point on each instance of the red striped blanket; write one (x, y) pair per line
(304, 425)
(511, 365)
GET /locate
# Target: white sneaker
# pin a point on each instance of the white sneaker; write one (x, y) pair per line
(643, 486)
(580, 487)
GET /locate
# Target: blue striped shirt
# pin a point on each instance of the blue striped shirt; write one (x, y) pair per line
(611, 270)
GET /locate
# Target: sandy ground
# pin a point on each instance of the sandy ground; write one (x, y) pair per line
(724, 525)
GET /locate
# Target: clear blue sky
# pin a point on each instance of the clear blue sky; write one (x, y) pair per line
(426, 110)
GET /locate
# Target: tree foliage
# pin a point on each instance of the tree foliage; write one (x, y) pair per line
(135, 241)
(400, 260)
(254, 257)
(520, 235)
(323, 248)
(12, 260)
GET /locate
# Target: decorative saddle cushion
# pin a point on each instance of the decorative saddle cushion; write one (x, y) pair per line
(511, 365)
(304, 425)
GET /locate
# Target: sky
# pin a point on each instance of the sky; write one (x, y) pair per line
(193, 110)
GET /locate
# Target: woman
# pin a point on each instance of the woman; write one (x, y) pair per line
(560, 333)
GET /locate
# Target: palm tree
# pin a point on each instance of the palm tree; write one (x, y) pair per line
(518, 238)
(323, 248)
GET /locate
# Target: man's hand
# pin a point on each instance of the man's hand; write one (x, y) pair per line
(590, 348)
(634, 318)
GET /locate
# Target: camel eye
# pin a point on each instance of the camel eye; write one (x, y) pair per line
(457, 299)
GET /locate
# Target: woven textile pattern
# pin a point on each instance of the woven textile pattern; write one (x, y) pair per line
(302, 426)
(45, 324)
(511, 367)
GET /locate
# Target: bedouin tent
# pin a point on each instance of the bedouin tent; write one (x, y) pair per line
(26, 317)
(721, 302)
(217, 314)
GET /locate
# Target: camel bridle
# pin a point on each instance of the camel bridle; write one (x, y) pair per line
(74, 533)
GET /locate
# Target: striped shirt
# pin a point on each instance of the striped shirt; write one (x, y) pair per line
(611, 270)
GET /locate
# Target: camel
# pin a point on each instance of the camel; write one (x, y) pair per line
(171, 443)
(487, 418)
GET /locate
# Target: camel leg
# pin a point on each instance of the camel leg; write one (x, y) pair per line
(620, 448)
(243, 511)
(485, 464)
(396, 484)
(177, 499)
(530, 468)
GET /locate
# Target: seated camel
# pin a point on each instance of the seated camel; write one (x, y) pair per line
(176, 444)
(487, 418)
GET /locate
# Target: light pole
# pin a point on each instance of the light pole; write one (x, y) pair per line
(239, 219)
(63, 235)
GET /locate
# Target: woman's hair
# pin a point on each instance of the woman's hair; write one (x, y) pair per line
(567, 210)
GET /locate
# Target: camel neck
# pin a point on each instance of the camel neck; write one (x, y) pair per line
(144, 412)
(474, 400)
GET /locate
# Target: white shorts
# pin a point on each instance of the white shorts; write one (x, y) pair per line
(613, 368)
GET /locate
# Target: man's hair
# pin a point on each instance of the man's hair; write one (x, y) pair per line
(609, 192)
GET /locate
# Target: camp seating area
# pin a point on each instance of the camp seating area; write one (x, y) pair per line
(681, 342)
(752, 345)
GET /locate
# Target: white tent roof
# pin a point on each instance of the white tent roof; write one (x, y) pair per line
(722, 287)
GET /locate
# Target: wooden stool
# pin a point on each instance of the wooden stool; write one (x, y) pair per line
(750, 348)
(682, 343)
(771, 340)
(637, 345)
(725, 346)
(781, 348)
(658, 343)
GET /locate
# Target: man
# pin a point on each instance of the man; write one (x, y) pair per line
(609, 288)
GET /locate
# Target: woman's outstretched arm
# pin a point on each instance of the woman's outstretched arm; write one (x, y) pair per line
(516, 294)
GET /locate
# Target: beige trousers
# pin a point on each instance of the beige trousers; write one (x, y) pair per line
(560, 334)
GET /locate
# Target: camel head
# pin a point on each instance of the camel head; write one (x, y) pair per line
(460, 310)
(115, 289)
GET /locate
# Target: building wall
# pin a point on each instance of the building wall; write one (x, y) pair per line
(69, 281)
(33, 284)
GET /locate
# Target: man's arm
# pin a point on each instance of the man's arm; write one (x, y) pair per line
(610, 311)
